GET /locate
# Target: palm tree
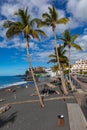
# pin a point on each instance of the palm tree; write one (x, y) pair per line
(51, 19)
(62, 59)
(24, 25)
(69, 40)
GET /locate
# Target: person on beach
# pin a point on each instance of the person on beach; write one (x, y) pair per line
(14, 93)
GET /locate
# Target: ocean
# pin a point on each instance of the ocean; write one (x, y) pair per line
(7, 81)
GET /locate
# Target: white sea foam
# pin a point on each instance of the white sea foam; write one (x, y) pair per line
(13, 84)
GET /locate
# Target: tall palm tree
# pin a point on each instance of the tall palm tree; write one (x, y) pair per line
(69, 41)
(51, 19)
(62, 59)
(24, 25)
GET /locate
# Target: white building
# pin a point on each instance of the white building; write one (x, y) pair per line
(79, 66)
(50, 72)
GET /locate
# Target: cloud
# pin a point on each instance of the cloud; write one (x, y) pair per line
(3, 45)
(82, 41)
(33, 46)
(72, 24)
(78, 8)
(13, 43)
(35, 7)
(85, 31)
(8, 9)
(2, 30)
(41, 56)
(77, 56)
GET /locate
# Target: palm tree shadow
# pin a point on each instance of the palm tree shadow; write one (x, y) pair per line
(5, 120)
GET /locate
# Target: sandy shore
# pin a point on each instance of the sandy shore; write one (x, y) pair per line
(25, 115)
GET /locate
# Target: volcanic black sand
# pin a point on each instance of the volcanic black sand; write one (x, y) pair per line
(26, 115)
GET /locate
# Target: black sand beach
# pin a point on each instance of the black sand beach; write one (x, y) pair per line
(25, 112)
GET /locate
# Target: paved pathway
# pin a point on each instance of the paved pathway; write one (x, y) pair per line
(82, 84)
(76, 118)
(33, 101)
(79, 96)
(31, 117)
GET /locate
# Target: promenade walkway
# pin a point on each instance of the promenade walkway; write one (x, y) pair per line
(79, 96)
(83, 85)
(29, 116)
(34, 101)
(76, 118)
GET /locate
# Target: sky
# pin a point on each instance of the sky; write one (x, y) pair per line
(13, 58)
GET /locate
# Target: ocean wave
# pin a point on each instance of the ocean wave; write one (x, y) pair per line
(13, 84)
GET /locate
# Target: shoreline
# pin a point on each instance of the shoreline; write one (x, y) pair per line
(7, 81)
(15, 84)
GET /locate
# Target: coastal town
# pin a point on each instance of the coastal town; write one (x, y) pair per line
(73, 104)
(43, 65)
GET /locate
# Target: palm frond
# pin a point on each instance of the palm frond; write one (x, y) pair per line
(52, 61)
(61, 38)
(66, 33)
(8, 23)
(54, 14)
(74, 37)
(64, 51)
(40, 32)
(52, 56)
(23, 15)
(76, 46)
(12, 31)
(50, 10)
(34, 34)
(62, 21)
(37, 21)
(46, 16)
(13, 28)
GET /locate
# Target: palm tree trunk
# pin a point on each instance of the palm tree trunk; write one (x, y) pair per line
(69, 63)
(62, 78)
(37, 90)
(72, 87)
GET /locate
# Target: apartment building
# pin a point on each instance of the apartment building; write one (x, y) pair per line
(79, 66)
